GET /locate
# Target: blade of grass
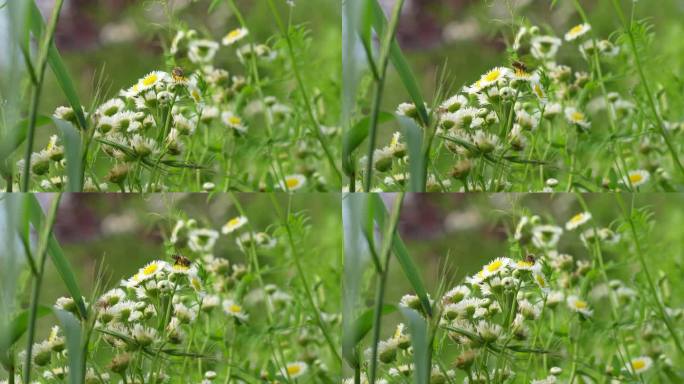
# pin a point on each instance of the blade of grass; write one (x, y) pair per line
(401, 253)
(422, 346)
(58, 259)
(73, 335)
(353, 139)
(58, 68)
(401, 65)
(45, 233)
(387, 39)
(73, 153)
(417, 165)
(36, 90)
(389, 233)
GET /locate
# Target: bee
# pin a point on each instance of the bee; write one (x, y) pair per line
(181, 260)
(178, 74)
(519, 66)
(530, 259)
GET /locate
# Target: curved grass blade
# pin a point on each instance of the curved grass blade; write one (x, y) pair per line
(354, 137)
(401, 65)
(73, 154)
(74, 343)
(417, 164)
(37, 25)
(37, 217)
(422, 347)
(401, 253)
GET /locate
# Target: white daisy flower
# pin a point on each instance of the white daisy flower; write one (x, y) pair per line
(546, 236)
(637, 178)
(454, 103)
(496, 266)
(545, 47)
(577, 31)
(578, 305)
(233, 309)
(574, 116)
(234, 36)
(233, 224)
(233, 121)
(202, 240)
(577, 220)
(202, 51)
(111, 107)
(295, 369)
(293, 182)
(151, 80)
(493, 76)
(639, 365)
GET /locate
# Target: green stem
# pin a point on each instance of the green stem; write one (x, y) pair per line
(647, 88)
(382, 282)
(300, 83)
(649, 278)
(45, 233)
(390, 31)
(307, 289)
(35, 93)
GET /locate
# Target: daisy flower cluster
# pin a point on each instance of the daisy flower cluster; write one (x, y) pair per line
(197, 126)
(195, 316)
(536, 125)
(535, 317)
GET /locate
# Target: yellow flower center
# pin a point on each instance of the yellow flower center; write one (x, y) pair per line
(494, 266)
(234, 308)
(195, 95)
(580, 304)
(577, 218)
(293, 369)
(196, 283)
(234, 120)
(150, 79)
(638, 364)
(538, 90)
(292, 183)
(576, 29)
(525, 264)
(150, 269)
(233, 222)
(540, 280)
(234, 34)
(180, 267)
(493, 75)
(577, 116)
(636, 178)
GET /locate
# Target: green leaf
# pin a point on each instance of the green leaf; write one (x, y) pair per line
(37, 217)
(73, 154)
(401, 65)
(12, 140)
(422, 349)
(20, 323)
(74, 343)
(354, 137)
(37, 26)
(401, 253)
(364, 323)
(414, 142)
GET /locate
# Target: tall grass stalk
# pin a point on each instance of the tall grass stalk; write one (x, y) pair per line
(385, 254)
(649, 279)
(285, 216)
(627, 25)
(44, 237)
(37, 89)
(285, 31)
(381, 69)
